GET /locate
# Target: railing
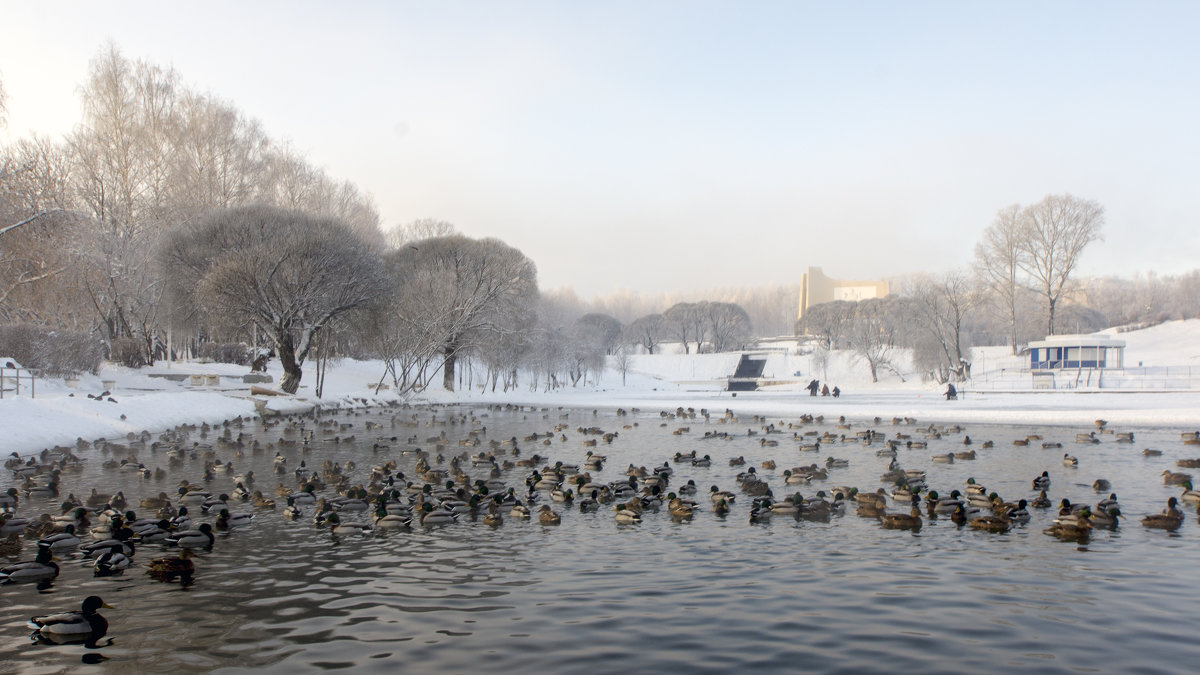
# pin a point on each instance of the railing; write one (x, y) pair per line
(14, 377)
(1150, 378)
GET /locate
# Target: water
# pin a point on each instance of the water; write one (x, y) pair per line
(712, 595)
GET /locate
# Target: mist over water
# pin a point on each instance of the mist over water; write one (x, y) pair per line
(712, 595)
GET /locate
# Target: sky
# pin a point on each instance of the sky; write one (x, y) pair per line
(677, 145)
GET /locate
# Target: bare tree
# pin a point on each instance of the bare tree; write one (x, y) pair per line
(422, 228)
(1053, 234)
(685, 322)
(1000, 258)
(601, 329)
(287, 272)
(727, 325)
(463, 288)
(623, 361)
(941, 305)
(872, 333)
(646, 331)
(829, 321)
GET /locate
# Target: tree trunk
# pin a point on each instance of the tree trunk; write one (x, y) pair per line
(451, 355)
(287, 359)
(1050, 319)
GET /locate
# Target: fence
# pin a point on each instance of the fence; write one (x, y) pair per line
(1160, 378)
(14, 377)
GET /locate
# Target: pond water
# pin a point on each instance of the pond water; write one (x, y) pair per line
(716, 594)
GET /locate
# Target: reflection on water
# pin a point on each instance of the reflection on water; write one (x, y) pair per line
(711, 595)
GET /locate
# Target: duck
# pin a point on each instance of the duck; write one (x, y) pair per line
(291, 511)
(228, 521)
(1042, 482)
(62, 541)
(998, 524)
(431, 516)
(1068, 460)
(1019, 514)
(1170, 519)
(1189, 495)
(1073, 530)
(1106, 517)
(42, 567)
(901, 521)
(346, 529)
(626, 516)
(113, 561)
(86, 625)
(171, 568)
(546, 516)
(1175, 478)
(1042, 501)
(201, 537)
(718, 495)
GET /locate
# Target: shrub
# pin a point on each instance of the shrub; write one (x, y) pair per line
(128, 352)
(57, 353)
(225, 352)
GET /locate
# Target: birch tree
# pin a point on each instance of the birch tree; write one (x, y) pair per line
(1000, 259)
(1053, 235)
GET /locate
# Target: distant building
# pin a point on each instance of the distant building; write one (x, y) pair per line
(1076, 351)
(816, 288)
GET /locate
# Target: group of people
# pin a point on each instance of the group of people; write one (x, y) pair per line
(814, 386)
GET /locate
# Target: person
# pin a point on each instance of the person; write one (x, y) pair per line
(951, 392)
(813, 386)
(825, 390)
(836, 392)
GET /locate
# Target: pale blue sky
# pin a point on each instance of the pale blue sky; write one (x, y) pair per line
(676, 145)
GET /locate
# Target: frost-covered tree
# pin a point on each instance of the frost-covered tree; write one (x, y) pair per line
(645, 331)
(463, 289)
(287, 272)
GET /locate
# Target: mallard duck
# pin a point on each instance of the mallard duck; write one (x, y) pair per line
(1174, 478)
(1106, 517)
(431, 516)
(112, 561)
(1042, 482)
(1042, 501)
(519, 510)
(1189, 496)
(1019, 514)
(546, 516)
(346, 529)
(62, 541)
(86, 625)
(228, 521)
(201, 537)
(1170, 519)
(169, 569)
(901, 521)
(1076, 529)
(625, 515)
(1069, 460)
(40, 568)
(991, 523)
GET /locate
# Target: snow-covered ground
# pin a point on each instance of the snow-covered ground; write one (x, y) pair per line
(141, 401)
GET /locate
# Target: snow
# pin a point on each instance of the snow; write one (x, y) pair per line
(143, 400)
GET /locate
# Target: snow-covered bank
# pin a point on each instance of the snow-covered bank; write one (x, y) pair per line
(145, 400)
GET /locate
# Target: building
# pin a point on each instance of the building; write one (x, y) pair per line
(816, 288)
(1076, 351)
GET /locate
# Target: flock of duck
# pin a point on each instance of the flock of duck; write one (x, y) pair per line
(484, 479)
